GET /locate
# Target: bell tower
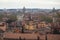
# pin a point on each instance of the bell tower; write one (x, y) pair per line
(24, 10)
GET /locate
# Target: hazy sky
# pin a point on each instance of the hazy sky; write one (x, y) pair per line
(30, 3)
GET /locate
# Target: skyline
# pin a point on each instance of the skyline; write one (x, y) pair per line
(43, 4)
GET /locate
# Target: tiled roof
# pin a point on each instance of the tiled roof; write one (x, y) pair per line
(23, 35)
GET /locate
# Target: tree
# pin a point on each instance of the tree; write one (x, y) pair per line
(55, 31)
(13, 17)
(58, 15)
(1, 16)
(22, 29)
(46, 18)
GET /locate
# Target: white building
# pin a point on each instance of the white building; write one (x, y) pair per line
(20, 17)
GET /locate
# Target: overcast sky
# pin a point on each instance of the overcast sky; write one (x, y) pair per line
(30, 4)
